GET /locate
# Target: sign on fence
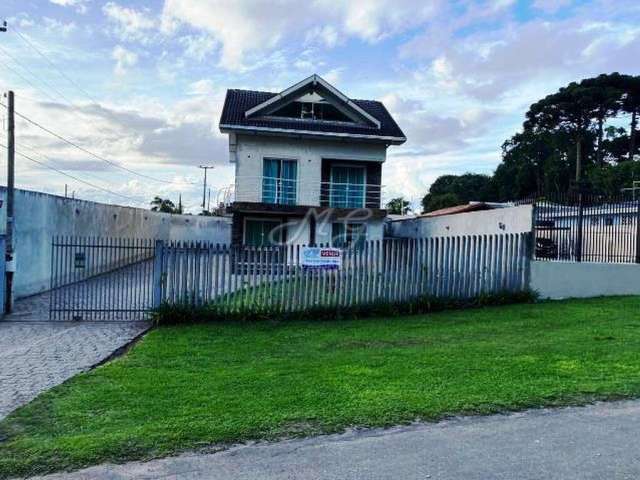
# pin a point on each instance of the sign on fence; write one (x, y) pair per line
(321, 258)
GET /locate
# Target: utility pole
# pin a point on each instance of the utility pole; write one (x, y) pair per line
(204, 187)
(9, 253)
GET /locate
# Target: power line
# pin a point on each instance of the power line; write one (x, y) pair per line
(28, 81)
(50, 160)
(42, 80)
(74, 177)
(64, 75)
(89, 96)
(53, 100)
(88, 152)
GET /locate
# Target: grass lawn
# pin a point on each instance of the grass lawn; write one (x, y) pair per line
(189, 387)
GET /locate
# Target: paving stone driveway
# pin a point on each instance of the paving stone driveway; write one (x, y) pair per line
(36, 354)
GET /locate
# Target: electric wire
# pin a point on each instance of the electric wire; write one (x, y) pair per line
(27, 157)
(64, 75)
(42, 80)
(89, 152)
(83, 91)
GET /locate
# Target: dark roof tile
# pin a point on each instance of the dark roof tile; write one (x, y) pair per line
(237, 102)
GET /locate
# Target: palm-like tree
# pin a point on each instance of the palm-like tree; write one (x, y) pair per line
(164, 205)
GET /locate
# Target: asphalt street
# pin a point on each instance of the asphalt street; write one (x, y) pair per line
(600, 441)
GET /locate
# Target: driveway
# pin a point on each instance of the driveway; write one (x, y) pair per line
(36, 354)
(594, 442)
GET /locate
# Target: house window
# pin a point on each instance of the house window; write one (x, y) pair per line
(347, 187)
(260, 233)
(345, 235)
(279, 181)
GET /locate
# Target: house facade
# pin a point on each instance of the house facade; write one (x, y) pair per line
(308, 165)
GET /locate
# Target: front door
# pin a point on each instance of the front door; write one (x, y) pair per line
(258, 233)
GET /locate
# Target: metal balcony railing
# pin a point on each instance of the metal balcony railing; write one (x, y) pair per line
(283, 191)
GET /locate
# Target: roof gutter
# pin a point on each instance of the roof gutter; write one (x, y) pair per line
(288, 132)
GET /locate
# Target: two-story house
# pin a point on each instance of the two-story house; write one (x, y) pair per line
(308, 164)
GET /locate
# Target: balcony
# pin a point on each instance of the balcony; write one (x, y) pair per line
(350, 195)
(279, 191)
(292, 192)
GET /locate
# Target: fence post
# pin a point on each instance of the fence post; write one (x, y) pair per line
(580, 227)
(3, 285)
(157, 273)
(638, 231)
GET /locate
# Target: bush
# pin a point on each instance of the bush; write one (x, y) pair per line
(174, 314)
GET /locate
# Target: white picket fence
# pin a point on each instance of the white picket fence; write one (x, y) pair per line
(390, 270)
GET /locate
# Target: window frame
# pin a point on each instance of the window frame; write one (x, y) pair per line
(280, 159)
(263, 220)
(364, 184)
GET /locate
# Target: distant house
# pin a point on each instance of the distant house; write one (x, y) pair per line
(468, 207)
(307, 161)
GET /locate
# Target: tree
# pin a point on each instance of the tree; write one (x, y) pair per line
(164, 205)
(398, 206)
(532, 163)
(631, 105)
(451, 190)
(570, 110)
(605, 93)
(577, 128)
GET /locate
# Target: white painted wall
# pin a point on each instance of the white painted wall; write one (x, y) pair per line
(40, 216)
(375, 231)
(251, 150)
(557, 280)
(486, 222)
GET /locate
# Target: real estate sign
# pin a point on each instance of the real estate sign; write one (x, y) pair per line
(321, 258)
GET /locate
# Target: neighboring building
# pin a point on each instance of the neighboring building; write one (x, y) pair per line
(308, 164)
(466, 208)
(475, 218)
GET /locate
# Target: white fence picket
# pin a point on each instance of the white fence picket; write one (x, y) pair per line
(392, 270)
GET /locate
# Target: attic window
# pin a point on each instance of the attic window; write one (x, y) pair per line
(312, 110)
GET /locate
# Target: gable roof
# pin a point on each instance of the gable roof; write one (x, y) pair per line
(248, 111)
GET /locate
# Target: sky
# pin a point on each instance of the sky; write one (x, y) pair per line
(139, 86)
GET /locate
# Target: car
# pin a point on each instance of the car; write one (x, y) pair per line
(546, 248)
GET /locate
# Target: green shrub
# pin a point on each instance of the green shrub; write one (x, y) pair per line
(186, 313)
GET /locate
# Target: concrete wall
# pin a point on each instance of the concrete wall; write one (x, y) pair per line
(558, 280)
(251, 150)
(40, 216)
(486, 222)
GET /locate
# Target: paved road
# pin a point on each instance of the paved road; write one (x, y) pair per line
(36, 354)
(596, 442)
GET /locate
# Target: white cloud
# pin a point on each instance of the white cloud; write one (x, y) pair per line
(79, 5)
(490, 64)
(551, 6)
(326, 35)
(52, 25)
(130, 24)
(201, 87)
(197, 47)
(124, 58)
(248, 28)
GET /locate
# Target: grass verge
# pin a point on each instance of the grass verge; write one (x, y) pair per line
(193, 386)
